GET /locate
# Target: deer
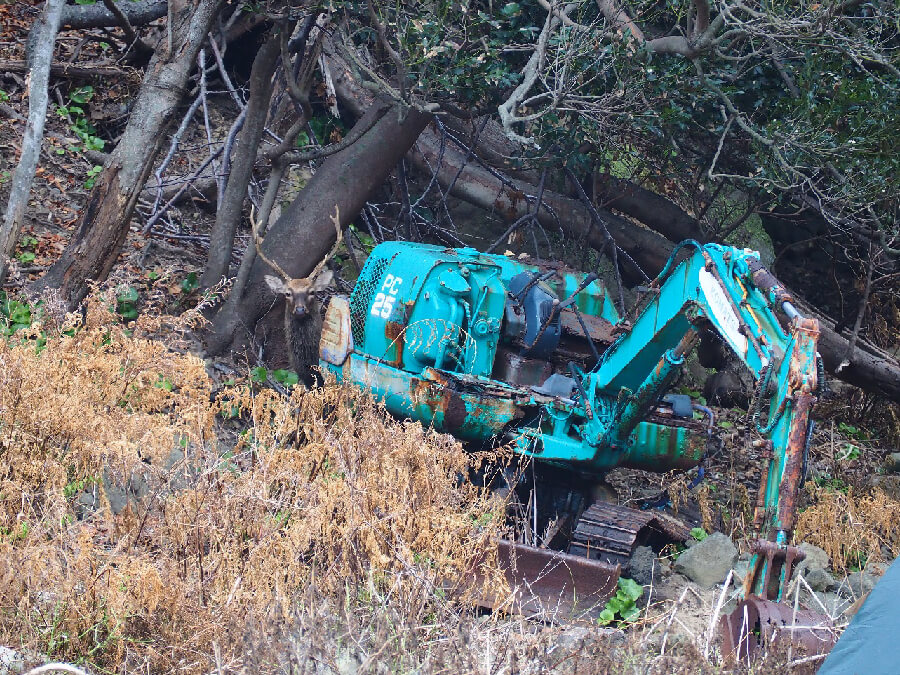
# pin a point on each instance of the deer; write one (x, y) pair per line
(302, 309)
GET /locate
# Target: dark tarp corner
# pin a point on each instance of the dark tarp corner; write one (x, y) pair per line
(869, 644)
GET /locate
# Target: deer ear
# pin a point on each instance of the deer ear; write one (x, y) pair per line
(276, 284)
(323, 280)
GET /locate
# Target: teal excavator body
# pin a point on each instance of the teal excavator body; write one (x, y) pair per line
(492, 347)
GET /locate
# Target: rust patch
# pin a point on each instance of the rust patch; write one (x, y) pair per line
(454, 410)
(549, 583)
(394, 332)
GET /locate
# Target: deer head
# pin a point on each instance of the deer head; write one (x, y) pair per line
(299, 294)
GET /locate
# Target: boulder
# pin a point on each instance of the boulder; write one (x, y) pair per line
(864, 581)
(816, 558)
(643, 566)
(820, 580)
(708, 562)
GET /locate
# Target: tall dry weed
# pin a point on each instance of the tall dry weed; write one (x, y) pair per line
(320, 491)
(853, 529)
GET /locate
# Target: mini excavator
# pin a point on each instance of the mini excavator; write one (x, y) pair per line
(489, 347)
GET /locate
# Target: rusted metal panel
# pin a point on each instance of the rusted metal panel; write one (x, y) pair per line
(757, 624)
(551, 584)
(600, 329)
(519, 370)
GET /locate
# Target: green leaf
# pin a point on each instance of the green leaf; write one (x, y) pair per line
(699, 533)
(286, 377)
(725, 424)
(632, 589)
(607, 616)
(127, 294)
(19, 313)
(164, 383)
(259, 374)
(190, 283)
(25, 257)
(82, 94)
(631, 614)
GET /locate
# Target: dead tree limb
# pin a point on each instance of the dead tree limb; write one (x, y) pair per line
(98, 16)
(105, 221)
(228, 215)
(34, 131)
(67, 70)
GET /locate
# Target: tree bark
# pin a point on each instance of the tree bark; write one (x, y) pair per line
(98, 16)
(228, 215)
(304, 233)
(485, 189)
(653, 210)
(104, 224)
(34, 132)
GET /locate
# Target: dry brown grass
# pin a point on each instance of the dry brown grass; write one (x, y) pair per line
(852, 528)
(322, 494)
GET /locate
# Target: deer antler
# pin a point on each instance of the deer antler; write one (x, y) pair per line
(254, 228)
(336, 219)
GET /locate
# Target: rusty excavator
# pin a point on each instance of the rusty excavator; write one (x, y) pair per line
(487, 347)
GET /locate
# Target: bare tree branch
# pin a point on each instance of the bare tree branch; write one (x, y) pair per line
(34, 131)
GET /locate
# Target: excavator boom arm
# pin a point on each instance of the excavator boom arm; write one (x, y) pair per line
(729, 290)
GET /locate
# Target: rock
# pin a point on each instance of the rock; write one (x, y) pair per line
(816, 558)
(577, 638)
(708, 562)
(643, 566)
(820, 580)
(834, 603)
(11, 662)
(864, 581)
(741, 568)
(115, 493)
(86, 503)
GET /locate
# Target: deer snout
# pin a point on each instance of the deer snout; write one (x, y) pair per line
(300, 312)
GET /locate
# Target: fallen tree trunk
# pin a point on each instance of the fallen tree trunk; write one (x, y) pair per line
(98, 16)
(68, 70)
(653, 210)
(304, 233)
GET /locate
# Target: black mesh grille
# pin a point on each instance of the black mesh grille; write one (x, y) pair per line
(361, 298)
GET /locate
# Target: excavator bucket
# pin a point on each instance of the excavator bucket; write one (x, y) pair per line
(757, 624)
(550, 584)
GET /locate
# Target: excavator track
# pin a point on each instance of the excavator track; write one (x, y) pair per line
(610, 533)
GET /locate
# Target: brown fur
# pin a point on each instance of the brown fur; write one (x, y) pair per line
(302, 320)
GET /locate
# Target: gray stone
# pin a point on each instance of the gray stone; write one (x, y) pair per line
(115, 493)
(741, 569)
(816, 559)
(643, 566)
(863, 582)
(820, 580)
(11, 662)
(577, 638)
(708, 562)
(86, 503)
